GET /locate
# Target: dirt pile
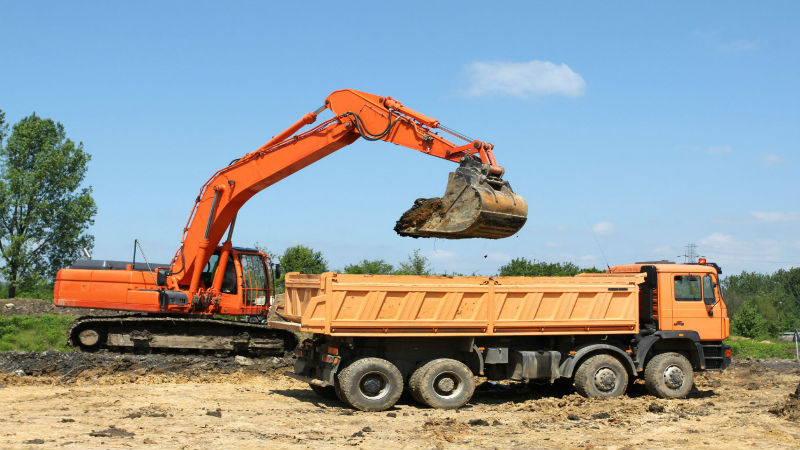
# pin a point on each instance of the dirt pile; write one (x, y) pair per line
(71, 366)
(791, 409)
(36, 307)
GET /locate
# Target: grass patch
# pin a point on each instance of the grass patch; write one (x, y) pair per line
(743, 348)
(34, 333)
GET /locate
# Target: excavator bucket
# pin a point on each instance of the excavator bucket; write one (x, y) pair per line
(475, 204)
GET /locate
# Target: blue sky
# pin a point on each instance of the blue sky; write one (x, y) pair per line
(632, 129)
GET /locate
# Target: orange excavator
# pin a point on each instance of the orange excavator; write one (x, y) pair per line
(206, 278)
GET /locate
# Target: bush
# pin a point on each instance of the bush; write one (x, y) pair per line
(743, 348)
(522, 267)
(748, 322)
(34, 334)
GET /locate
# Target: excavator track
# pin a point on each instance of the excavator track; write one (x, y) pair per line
(170, 333)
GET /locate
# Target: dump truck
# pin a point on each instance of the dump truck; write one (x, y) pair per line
(177, 302)
(376, 335)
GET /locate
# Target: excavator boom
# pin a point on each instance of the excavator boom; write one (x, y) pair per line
(207, 278)
(477, 201)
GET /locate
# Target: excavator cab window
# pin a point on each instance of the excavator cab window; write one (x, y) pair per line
(254, 280)
(208, 273)
(228, 281)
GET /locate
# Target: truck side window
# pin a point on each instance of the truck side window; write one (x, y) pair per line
(708, 290)
(687, 288)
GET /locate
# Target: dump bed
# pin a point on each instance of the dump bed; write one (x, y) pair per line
(399, 305)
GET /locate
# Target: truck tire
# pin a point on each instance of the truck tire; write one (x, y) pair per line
(326, 392)
(601, 376)
(669, 375)
(371, 384)
(443, 384)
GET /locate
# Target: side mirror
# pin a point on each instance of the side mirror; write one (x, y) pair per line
(277, 271)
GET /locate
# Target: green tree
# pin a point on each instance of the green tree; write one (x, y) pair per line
(44, 212)
(774, 297)
(416, 264)
(373, 267)
(748, 322)
(300, 259)
(523, 267)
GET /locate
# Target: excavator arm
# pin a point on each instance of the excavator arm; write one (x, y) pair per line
(477, 202)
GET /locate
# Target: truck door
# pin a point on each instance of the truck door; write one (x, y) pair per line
(255, 289)
(695, 306)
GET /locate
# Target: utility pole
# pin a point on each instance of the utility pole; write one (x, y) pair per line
(690, 255)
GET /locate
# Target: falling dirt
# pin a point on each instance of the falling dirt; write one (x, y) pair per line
(416, 216)
(168, 401)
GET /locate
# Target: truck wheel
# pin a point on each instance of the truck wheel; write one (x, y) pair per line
(601, 376)
(326, 392)
(371, 384)
(669, 375)
(442, 383)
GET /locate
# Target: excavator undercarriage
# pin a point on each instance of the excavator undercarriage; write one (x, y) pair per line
(174, 333)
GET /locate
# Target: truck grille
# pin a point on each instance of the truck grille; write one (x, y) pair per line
(714, 355)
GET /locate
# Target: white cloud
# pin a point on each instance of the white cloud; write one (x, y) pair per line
(524, 79)
(718, 149)
(740, 45)
(663, 250)
(716, 239)
(775, 216)
(771, 159)
(553, 244)
(603, 228)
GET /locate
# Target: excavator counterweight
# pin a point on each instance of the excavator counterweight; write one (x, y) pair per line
(476, 204)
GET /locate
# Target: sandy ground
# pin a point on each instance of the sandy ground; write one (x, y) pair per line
(260, 408)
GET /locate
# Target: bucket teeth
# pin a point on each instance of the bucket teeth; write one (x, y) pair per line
(474, 205)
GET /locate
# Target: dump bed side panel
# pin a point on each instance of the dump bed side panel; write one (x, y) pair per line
(391, 305)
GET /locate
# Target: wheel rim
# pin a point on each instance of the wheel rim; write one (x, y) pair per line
(673, 377)
(447, 385)
(605, 379)
(374, 385)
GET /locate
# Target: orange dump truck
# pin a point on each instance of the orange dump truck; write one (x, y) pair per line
(376, 335)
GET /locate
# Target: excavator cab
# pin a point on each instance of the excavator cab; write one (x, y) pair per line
(476, 204)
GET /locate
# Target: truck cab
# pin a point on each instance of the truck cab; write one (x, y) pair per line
(680, 297)
(684, 300)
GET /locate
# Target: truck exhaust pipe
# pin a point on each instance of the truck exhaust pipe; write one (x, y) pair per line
(476, 204)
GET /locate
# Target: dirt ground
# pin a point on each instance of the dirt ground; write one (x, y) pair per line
(106, 400)
(157, 401)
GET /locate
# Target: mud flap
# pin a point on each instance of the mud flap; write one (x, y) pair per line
(475, 204)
